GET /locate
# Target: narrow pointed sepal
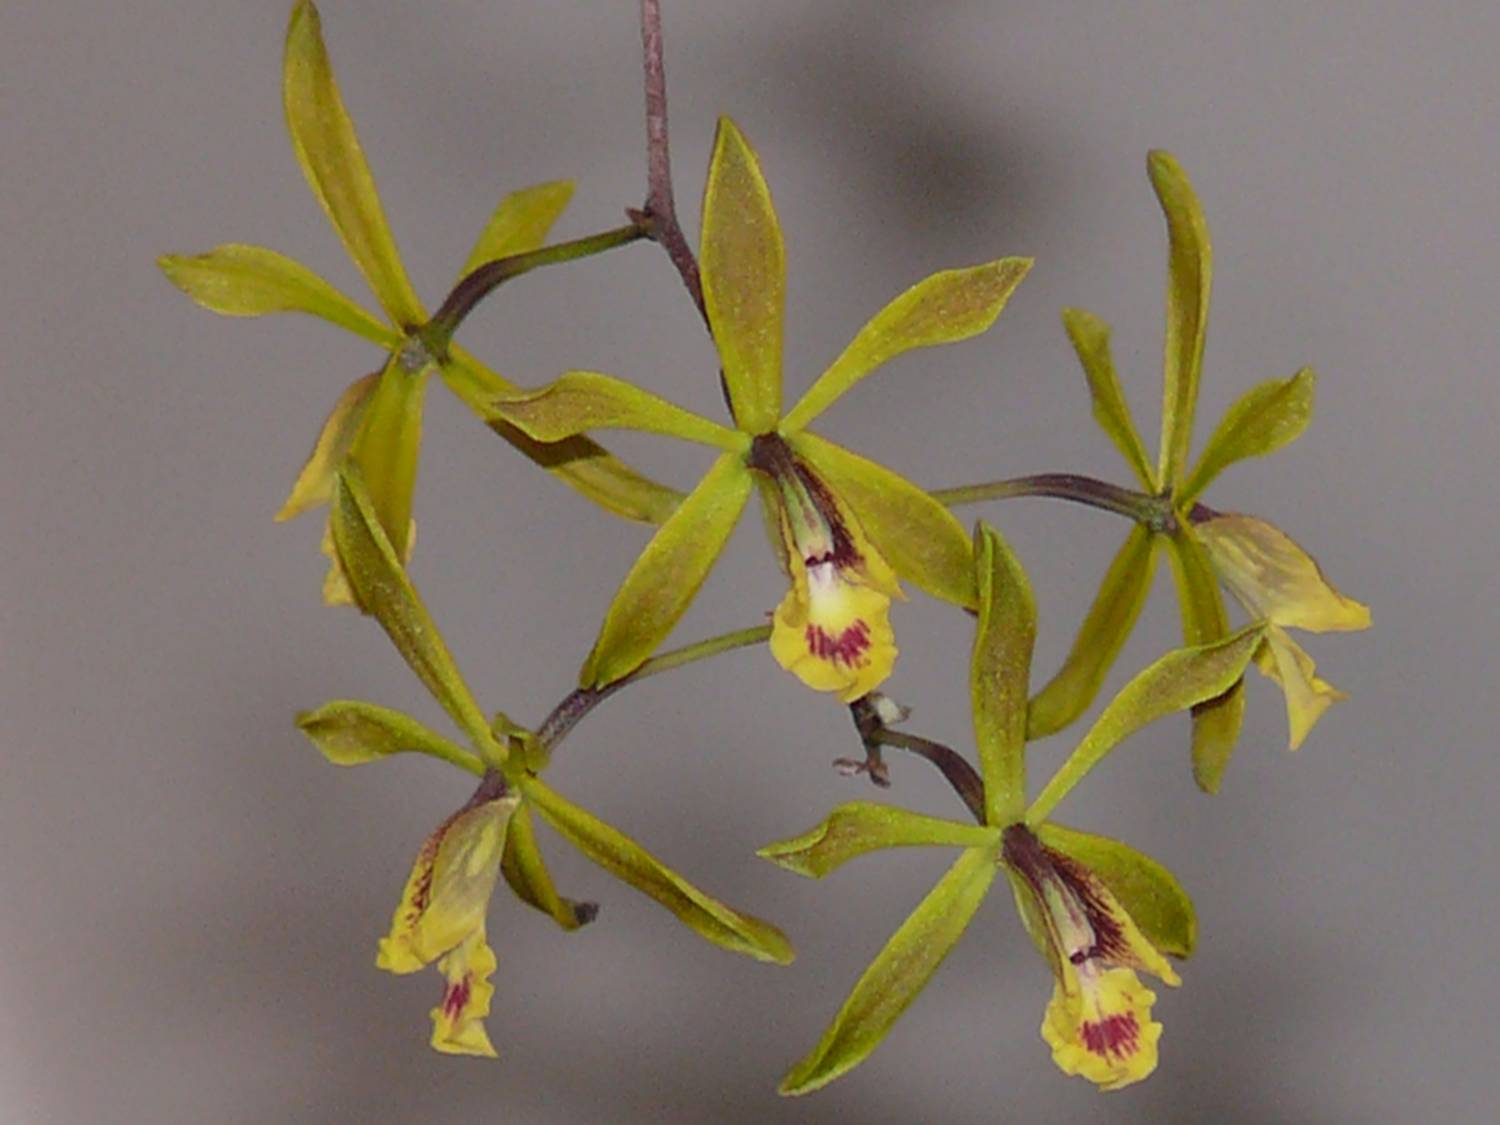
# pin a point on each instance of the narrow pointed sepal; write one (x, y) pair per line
(627, 861)
(580, 401)
(330, 154)
(239, 280)
(861, 827)
(947, 307)
(744, 279)
(351, 733)
(668, 574)
(898, 974)
(1090, 339)
(1264, 419)
(1000, 673)
(519, 223)
(1189, 279)
(1113, 614)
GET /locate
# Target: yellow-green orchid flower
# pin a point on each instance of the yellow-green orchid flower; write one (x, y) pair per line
(1278, 582)
(846, 528)
(1204, 552)
(441, 916)
(377, 421)
(1099, 911)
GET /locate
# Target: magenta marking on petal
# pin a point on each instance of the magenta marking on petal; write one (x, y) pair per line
(849, 647)
(1117, 1035)
(456, 997)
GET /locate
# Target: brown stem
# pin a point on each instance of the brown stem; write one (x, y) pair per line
(1153, 511)
(954, 767)
(660, 211)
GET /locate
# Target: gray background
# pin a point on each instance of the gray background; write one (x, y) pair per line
(192, 896)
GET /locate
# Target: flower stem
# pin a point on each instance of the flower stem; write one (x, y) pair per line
(484, 280)
(1138, 506)
(874, 733)
(578, 703)
(659, 216)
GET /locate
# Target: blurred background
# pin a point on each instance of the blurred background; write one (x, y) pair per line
(192, 895)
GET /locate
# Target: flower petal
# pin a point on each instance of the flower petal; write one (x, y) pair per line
(350, 733)
(1090, 337)
(1261, 421)
(387, 445)
(579, 401)
(520, 223)
(314, 484)
(1098, 1022)
(458, 1020)
(942, 309)
(627, 861)
(1122, 594)
(449, 888)
(744, 279)
(1274, 578)
(667, 576)
(861, 827)
(1216, 722)
(833, 631)
(920, 538)
(1183, 678)
(898, 974)
(386, 593)
(239, 280)
(529, 878)
(1189, 277)
(1103, 1031)
(581, 463)
(1307, 697)
(1000, 674)
(1147, 891)
(330, 155)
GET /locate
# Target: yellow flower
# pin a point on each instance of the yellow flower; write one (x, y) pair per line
(832, 630)
(1280, 583)
(1099, 911)
(377, 422)
(1098, 1022)
(845, 527)
(441, 918)
(1265, 418)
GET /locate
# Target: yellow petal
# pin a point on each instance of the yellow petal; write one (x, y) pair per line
(239, 280)
(1101, 1028)
(520, 223)
(946, 307)
(1307, 697)
(330, 155)
(314, 483)
(1276, 579)
(744, 279)
(1099, 1021)
(833, 631)
(386, 447)
(449, 887)
(336, 588)
(458, 1020)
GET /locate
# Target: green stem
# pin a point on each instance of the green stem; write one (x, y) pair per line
(1154, 511)
(484, 280)
(567, 714)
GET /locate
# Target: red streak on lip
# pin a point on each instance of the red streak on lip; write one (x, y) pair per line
(848, 648)
(1116, 1035)
(456, 998)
